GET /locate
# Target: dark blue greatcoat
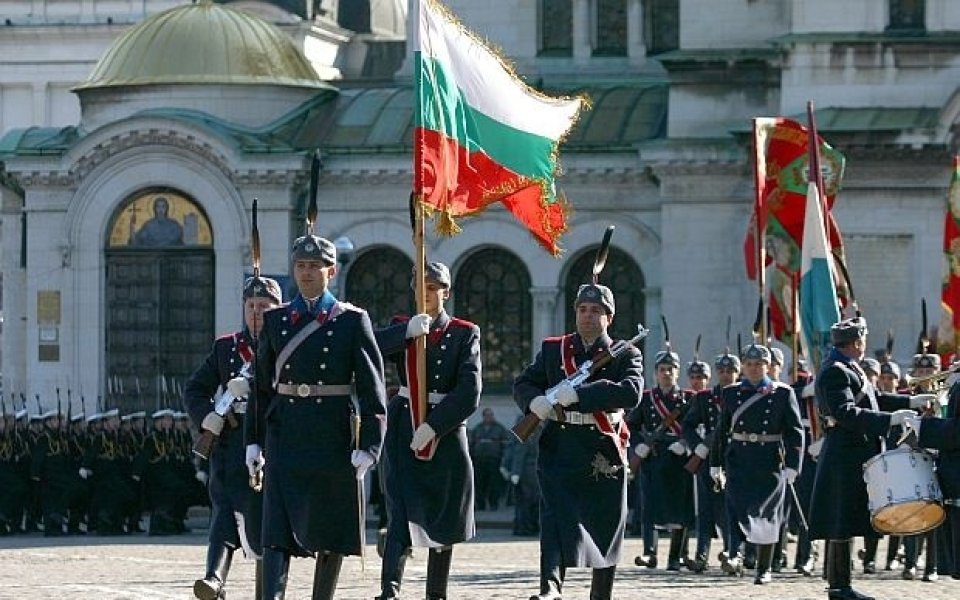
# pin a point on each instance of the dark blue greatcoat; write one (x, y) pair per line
(233, 500)
(666, 487)
(310, 486)
(752, 467)
(700, 427)
(430, 502)
(944, 435)
(583, 508)
(839, 504)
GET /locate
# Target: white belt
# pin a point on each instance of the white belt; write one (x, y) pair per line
(239, 407)
(578, 418)
(432, 397)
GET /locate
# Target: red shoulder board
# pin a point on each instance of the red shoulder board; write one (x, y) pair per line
(455, 322)
(554, 340)
(226, 336)
(399, 318)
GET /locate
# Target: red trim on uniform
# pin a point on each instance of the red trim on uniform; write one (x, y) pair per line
(662, 410)
(243, 348)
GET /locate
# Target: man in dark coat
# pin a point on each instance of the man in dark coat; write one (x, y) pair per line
(855, 425)
(427, 470)
(699, 430)
(236, 508)
(317, 423)
(582, 459)
(666, 488)
(758, 452)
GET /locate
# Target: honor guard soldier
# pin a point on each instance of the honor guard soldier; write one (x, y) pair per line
(426, 467)
(854, 428)
(582, 453)
(313, 443)
(216, 396)
(757, 452)
(699, 430)
(107, 465)
(666, 488)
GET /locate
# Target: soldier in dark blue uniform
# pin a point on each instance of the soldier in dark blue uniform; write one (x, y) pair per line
(758, 451)
(582, 449)
(699, 430)
(236, 508)
(855, 426)
(314, 354)
(666, 488)
(430, 495)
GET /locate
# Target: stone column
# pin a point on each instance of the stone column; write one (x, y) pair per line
(653, 301)
(636, 50)
(544, 315)
(581, 31)
(13, 342)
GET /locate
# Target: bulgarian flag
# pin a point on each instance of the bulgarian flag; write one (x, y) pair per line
(482, 135)
(819, 308)
(948, 335)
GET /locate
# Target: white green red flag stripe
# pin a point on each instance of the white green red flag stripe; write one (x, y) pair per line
(482, 135)
(948, 338)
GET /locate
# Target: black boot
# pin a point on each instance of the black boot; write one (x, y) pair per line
(438, 572)
(258, 579)
(551, 578)
(676, 545)
(276, 565)
(838, 573)
(218, 564)
(869, 554)
(391, 575)
(325, 575)
(764, 564)
(601, 588)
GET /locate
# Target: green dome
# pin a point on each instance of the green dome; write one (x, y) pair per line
(203, 43)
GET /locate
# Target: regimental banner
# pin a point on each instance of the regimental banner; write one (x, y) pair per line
(948, 335)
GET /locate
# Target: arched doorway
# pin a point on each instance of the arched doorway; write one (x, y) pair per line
(492, 289)
(622, 275)
(159, 298)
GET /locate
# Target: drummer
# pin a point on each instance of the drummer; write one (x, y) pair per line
(854, 428)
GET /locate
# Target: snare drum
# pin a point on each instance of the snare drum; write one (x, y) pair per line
(905, 498)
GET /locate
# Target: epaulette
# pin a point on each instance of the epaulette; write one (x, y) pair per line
(345, 306)
(455, 322)
(555, 339)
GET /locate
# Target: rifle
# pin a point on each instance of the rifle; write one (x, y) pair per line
(525, 428)
(693, 465)
(667, 422)
(223, 407)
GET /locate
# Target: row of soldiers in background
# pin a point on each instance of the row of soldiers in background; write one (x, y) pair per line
(674, 434)
(97, 473)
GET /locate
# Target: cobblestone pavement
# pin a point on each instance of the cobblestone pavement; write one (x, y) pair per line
(494, 566)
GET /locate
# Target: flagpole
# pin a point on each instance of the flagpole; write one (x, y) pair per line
(760, 224)
(420, 256)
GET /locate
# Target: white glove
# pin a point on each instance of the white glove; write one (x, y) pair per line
(701, 450)
(922, 400)
(254, 459)
(202, 477)
(135, 477)
(789, 475)
(809, 390)
(514, 479)
(677, 448)
(642, 450)
(418, 325)
(566, 394)
(716, 473)
(212, 423)
(422, 436)
(899, 417)
(814, 448)
(541, 407)
(85, 473)
(505, 473)
(239, 387)
(362, 461)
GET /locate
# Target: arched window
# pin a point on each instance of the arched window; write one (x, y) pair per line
(662, 26)
(556, 27)
(622, 276)
(610, 33)
(907, 15)
(492, 289)
(379, 282)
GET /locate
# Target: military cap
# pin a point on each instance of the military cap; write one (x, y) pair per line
(21, 414)
(890, 368)
(113, 412)
(137, 415)
(180, 415)
(776, 356)
(926, 361)
(848, 330)
(94, 417)
(262, 287)
(314, 247)
(163, 412)
(756, 352)
(727, 361)
(598, 294)
(698, 367)
(434, 271)
(871, 365)
(667, 357)
(50, 414)
(76, 418)
(35, 417)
